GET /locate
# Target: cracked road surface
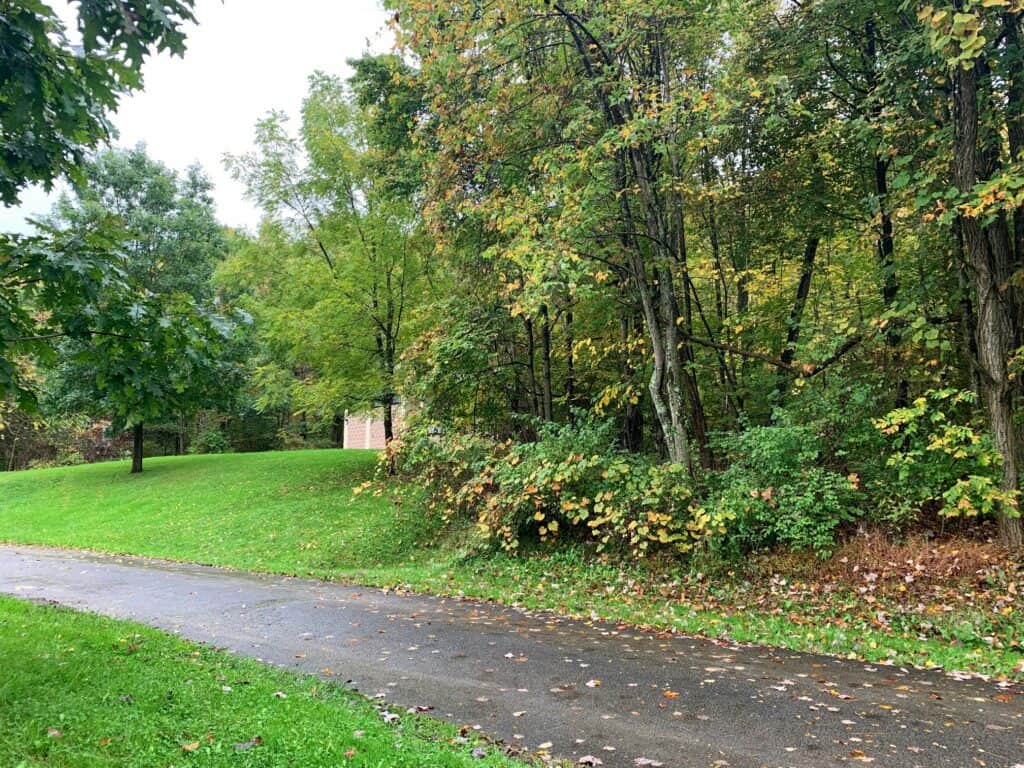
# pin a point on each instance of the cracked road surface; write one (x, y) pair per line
(610, 691)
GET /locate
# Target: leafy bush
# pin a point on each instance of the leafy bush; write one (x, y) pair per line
(942, 458)
(441, 461)
(775, 491)
(210, 441)
(572, 481)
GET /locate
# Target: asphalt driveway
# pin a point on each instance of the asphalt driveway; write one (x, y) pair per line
(567, 688)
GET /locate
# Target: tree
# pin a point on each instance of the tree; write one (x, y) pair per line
(169, 245)
(48, 282)
(339, 302)
(55, 98)
(55, 95)
(961, 33)
(174, 239)
(148, 357)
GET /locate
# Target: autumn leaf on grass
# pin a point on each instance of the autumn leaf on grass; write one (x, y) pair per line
(192, 746)
(243, 746)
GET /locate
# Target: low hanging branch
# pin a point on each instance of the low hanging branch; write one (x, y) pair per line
(806, 370)
(64, 334)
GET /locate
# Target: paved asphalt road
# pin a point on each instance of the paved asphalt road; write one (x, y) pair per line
(612, 692)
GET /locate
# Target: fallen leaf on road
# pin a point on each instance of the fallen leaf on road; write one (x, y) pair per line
(644, 762)
(590, 760)
(593, 683)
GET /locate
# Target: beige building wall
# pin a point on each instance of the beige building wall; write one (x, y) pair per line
(366, 430)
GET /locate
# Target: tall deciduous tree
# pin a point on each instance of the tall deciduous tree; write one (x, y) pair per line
(149, 357)
(358, 270)
(57, 90)
(56, 94)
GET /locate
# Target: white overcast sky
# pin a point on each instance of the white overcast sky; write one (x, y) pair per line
(244, 58)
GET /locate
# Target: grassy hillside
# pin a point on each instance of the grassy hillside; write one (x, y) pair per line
(132, 696)
(291, 512)
(952, 605)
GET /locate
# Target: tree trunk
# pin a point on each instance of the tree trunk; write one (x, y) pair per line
(796, 314)
(988, 252)
(1014, 50)
(531, 366)
(338, 430)
(968, 323)
(547, 399)
(570, 365)
(884, 246)
(389, 424)
(632, 435)
(137, 439)
(666, 378)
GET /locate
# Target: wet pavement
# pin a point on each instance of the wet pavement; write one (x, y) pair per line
(539, 681)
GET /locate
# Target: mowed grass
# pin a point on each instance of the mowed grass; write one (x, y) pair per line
(78, 690)
(300, 513)
(289, 512)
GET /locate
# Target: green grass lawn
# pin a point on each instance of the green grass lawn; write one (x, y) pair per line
(79, 690)
(290, 512)
(297, 513)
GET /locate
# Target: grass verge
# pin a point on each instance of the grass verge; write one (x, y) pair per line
(297, 513)
(80, 690)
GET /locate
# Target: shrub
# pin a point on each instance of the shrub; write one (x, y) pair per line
(572, 481)
(441, 461)
(775, 491)
(942, 458)
(210, 441)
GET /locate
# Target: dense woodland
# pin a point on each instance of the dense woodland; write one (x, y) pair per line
(659, 275)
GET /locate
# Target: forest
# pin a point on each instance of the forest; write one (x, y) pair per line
(658, 276)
